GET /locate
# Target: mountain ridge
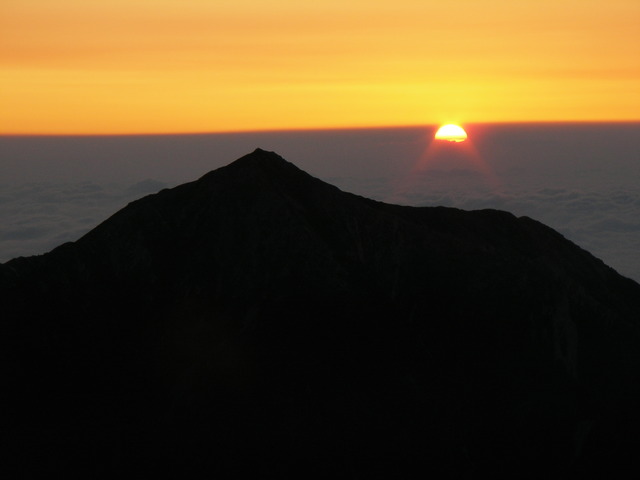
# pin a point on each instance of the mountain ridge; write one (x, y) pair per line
(313, 329)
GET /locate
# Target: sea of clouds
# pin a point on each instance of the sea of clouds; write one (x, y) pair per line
(581, 179)
(37, 217)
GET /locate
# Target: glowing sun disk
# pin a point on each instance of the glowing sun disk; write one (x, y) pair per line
(451, 133)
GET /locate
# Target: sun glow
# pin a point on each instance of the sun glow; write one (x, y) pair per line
(451, 133)
(180, 66)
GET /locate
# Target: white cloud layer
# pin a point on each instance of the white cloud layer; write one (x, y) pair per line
(37, 217)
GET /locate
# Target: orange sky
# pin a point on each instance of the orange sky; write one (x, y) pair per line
(160, 66)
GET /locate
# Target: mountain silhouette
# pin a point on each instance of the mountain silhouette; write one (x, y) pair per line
(259, 321)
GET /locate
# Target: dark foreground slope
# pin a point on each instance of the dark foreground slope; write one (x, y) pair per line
(259, 321)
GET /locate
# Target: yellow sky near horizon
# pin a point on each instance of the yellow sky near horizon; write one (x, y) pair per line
(171, 66)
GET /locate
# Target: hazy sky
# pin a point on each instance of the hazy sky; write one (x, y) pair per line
(114, 66)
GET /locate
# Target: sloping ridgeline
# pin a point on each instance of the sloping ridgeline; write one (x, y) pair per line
(259, 321)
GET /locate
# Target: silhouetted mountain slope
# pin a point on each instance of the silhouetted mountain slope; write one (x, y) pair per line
(259, 321)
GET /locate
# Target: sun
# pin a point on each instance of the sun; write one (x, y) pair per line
(451, 133)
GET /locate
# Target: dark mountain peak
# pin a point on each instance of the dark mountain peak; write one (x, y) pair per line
(262, 159)
(261, 169)
(266, 180)
(261, 319)
(263, 155)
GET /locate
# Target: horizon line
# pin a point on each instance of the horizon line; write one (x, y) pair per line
(319, 129)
